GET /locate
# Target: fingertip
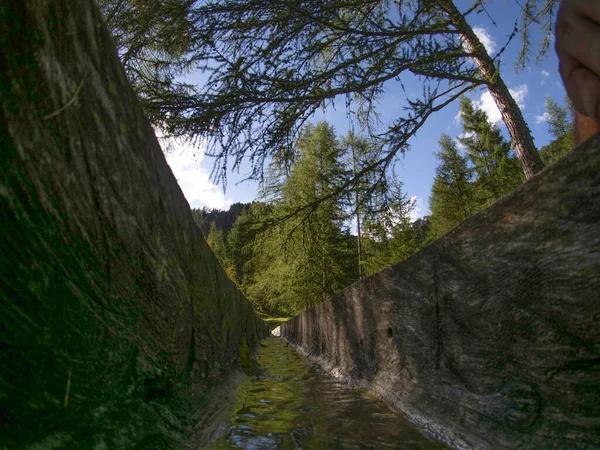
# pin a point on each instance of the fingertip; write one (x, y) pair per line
(583, 88)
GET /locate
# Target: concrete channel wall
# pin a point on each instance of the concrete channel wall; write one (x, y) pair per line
(117, 323)
(489, 338)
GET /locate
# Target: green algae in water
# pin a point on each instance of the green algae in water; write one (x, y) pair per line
(293, 405)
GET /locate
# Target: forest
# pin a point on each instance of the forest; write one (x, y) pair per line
(331, 209)
(287, 257)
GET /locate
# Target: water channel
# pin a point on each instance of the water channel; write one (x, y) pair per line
(293, 405)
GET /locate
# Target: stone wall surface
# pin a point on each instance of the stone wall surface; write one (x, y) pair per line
(117, 322)
(490, 337)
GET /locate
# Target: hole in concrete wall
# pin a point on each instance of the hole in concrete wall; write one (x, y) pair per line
(361, 342)
(390, 333)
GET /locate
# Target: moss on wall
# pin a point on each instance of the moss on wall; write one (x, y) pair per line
(117, 321)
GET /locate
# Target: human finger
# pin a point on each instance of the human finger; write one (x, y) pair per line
(584, 8)
(582, 86)
(578, 49)
(579, 38)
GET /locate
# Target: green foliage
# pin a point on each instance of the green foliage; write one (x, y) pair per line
(536, 13)
(465, 184)
(498, 173)
(561, 121)
(268, 66)
(368, 193)
(216, 241)
(154, 40)
(290, 265)
(224, 219)
(392, 235)
(452, 196)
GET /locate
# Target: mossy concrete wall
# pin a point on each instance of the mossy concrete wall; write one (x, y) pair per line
(490, 337)
(117, 320)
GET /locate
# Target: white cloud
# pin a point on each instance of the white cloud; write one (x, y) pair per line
(545, 74)
(185, 161)
(543, 118)
(418, 210)
(457, 118)
(519, 94)
(486, 102)
(486, 39)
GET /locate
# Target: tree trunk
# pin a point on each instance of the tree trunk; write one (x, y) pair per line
(358, 231)
(522, 141)
(359, 246)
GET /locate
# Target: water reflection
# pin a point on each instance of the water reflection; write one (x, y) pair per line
(295, 406)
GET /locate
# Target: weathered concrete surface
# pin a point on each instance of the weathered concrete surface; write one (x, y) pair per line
(117, 321)
(489, 337)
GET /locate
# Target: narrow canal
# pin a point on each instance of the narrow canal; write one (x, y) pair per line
(293, 405)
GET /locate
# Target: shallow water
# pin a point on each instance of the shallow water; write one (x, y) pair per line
(293, 405)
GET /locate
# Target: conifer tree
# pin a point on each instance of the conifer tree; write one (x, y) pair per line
(497, 173)
(303, 260)
(315, 175)
(561, 122)
(216, 241)
(271, 65)
(391, 234)
(451, 199)
(238, 240)
(369, 194)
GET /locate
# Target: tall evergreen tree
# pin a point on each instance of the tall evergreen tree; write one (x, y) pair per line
(391, 234)
(497, 174)
(238, 241)
(315, 175)
(561, 122)
(303, 259)
(216, 242)
(368, 195)
(451, 199)
(521, 137)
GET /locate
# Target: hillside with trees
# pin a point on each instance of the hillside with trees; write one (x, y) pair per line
(223, 220)
(287, 256)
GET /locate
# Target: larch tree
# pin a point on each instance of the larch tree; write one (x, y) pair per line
(303, 259)
(216, 242)
(369, 193)
(390, 234)
(522, 141)
(277, 63)
(561, 124)
(269, 66)
(497, 174)
(319, 244)
(154, 42)
(451, 200)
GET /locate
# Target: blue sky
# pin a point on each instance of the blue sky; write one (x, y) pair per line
(416, 169)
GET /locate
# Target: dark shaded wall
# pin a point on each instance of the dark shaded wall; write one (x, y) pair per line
(117, 321)
(489, 337)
